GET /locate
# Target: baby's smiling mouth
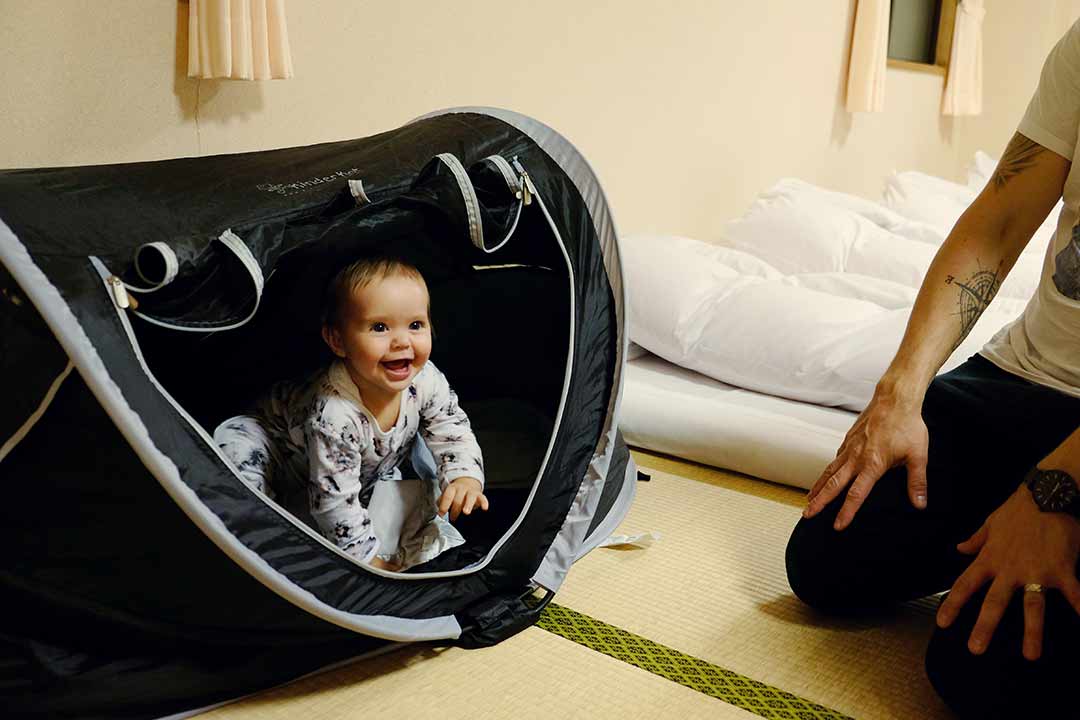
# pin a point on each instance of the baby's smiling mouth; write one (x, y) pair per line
(397, 365)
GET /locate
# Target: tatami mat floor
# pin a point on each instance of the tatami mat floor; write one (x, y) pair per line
(532, 675)
(712, 587)
(715, 587)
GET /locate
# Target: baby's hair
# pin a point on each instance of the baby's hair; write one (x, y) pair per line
(361, 273)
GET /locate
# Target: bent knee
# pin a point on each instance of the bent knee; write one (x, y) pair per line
(809, 565)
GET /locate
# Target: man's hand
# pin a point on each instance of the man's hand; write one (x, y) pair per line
(886, 434)
(461, 496)
(1018, 544)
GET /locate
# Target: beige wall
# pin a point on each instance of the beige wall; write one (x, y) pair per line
(1017, 36)
(686, 109)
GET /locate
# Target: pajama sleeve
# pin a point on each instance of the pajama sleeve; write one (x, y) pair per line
(335, 452)
(446, 430)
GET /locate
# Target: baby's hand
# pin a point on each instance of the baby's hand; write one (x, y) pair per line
(461, 496)
(378, 562)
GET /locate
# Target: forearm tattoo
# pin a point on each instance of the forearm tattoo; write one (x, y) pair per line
(974, 296)
(1019, 155)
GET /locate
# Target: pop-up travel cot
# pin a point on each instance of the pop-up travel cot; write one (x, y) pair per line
(143, 303)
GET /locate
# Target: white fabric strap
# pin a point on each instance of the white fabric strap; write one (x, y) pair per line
(356, 189)
(516, 185)
(512, 180)
(468, 194)
(168, 258)
(233, 242)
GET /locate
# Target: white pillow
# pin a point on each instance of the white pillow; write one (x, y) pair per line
(928, 199)
(671, 281)
(822, 338)
(797, 232)
(939, 203)
(874, 212)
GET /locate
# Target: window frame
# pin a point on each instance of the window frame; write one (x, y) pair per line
(943, 50)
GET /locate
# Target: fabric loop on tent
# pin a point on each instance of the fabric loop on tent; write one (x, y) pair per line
(356, 189)
(512, 180)
(170, 267)
(232, 241)
(468, 193)
(510, 232)
(235, 245)
(516, 185)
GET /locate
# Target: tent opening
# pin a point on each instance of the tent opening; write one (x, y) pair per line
(501, 336)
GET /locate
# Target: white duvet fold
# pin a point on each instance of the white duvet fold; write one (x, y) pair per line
(807, 298)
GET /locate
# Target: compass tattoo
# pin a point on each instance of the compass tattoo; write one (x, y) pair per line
(975, 295)
(1019, 155)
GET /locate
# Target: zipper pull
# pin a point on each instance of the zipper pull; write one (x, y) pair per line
(525, 194)
(527, 188)
(119, 292)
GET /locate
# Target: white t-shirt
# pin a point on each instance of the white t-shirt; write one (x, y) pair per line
(1043, 344)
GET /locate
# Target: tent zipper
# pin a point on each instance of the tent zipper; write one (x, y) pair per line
(118, 292)
(521, 192)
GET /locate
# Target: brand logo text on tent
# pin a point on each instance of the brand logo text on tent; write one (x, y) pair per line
(301, 185)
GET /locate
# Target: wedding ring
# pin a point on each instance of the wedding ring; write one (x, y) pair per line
(1033, 587)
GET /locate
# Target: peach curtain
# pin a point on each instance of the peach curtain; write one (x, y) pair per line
(239, 39)
(963, 87)
(869, 51)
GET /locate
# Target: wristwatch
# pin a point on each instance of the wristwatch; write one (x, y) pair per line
(1054, 491)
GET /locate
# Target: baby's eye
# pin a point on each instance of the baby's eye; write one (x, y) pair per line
(416, 325)
(379, 327)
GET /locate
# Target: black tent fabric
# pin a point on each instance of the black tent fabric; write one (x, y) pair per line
(144, 303)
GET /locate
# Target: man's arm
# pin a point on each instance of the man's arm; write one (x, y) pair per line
(960, 283)
(973, 261)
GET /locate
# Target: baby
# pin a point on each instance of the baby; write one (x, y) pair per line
(337, 434)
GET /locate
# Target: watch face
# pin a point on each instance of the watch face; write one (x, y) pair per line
(1054, 491)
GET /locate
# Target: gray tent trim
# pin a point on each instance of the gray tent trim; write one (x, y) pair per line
(574, 540)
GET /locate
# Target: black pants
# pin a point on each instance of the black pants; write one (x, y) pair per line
(987, 428)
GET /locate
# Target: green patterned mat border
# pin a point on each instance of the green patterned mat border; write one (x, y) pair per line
(686, 670)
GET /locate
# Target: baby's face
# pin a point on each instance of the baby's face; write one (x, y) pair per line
(384, 335)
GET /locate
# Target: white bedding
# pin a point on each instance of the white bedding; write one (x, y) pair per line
(807, 298)
(769, 341)
(682, 413)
